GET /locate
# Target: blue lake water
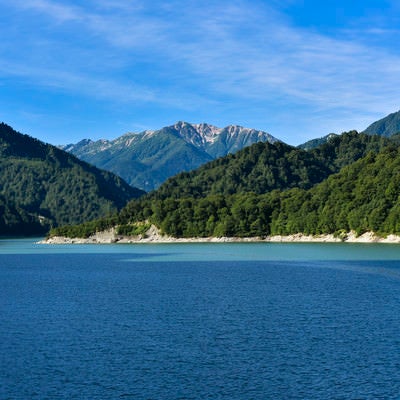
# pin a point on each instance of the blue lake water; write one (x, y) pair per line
(199, 321)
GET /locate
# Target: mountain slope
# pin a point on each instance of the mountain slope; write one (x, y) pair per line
(147, 159)
(263, 167)
(388, 126)
(39, 182)
(259, 168)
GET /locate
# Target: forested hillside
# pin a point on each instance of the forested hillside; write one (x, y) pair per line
(263, 167)
(42, 186)
(362, 196)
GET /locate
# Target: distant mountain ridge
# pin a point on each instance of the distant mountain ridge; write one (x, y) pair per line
(387, 126)
(147, 159)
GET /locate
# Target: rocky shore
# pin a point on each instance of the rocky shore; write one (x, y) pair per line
(153, 235)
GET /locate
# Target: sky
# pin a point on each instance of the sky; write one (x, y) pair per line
(298, 69)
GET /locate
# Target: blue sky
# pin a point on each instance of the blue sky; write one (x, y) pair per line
(101, 68)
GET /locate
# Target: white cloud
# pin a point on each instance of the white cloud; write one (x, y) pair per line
(236, 51)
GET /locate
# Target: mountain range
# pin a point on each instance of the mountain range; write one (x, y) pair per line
(42, 186)
(349, 183)
(145, 160)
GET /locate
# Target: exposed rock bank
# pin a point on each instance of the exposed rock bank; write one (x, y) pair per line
(153, 235)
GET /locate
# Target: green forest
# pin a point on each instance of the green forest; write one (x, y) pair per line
(263, 167)
(42, 186)
(350, 182)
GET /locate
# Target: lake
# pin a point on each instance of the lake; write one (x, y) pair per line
(199, 321)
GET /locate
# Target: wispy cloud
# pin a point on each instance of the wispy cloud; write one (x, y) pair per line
(277, 59)
(184, 54)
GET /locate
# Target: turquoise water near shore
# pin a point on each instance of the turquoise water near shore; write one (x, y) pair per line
(198, 321)
(215, 251)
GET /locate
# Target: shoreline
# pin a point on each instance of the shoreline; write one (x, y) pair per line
(153, 235)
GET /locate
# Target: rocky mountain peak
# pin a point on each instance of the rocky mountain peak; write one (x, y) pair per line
(146, 159)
